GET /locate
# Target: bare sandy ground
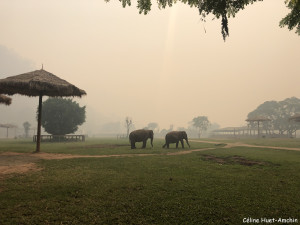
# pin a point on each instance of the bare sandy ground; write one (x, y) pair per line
(11, 162)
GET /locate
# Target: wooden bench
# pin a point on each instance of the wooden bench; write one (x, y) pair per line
(60, 138)
(121, 136)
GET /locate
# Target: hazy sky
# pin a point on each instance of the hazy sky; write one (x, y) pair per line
(162, 67)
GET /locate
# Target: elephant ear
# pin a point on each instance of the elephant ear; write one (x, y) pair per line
(181, 134)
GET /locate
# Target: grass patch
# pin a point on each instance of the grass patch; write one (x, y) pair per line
(160, 189)
(94, 147)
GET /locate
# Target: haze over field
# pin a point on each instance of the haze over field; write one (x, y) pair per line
(162, 67)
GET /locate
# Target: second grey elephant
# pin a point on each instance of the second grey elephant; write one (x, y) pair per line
(175, 137)
(140, 136)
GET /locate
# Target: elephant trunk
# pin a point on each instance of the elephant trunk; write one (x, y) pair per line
(152, 141)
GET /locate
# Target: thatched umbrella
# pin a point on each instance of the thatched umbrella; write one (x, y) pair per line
(38, 83)
(5, 100)
(258, 119)
(7, 126)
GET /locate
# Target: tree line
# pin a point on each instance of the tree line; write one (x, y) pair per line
(64, 116)
(196, 127)
(279, 113)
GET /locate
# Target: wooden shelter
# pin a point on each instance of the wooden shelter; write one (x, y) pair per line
(295, 118)
(230, 132)
(5, 100)
(258, 119)
(39, 83)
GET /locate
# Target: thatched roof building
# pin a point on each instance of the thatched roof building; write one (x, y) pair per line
(295, 117)
(230, 129)
(257, 119)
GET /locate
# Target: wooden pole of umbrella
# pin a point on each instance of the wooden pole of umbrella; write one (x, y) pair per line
(39, 83)
(38, 141)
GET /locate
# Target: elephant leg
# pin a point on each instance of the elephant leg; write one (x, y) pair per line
(167, 144)
(144, 144)
(177, 144)
(133, 145)
(182, 143)
(164, 145)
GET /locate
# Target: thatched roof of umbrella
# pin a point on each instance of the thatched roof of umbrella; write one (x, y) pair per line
(257, 119)
(5, 100)
(39, 83)
(8, 125)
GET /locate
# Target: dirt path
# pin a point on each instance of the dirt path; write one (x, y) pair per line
(11, 162)
(237, 144)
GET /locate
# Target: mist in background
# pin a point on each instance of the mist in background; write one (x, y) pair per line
(166, 67)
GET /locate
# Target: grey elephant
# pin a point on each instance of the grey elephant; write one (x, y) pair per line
(175, 137)
(140, 136)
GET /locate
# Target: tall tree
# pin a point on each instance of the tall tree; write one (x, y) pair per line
(279, 113)
(62, 116)
(153, 126)
(26, 126)
(201, 123)
(164, 131)
(222, 9)
(128, 125)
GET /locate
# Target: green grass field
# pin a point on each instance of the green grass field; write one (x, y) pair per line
(93, 147)
(219, 186)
